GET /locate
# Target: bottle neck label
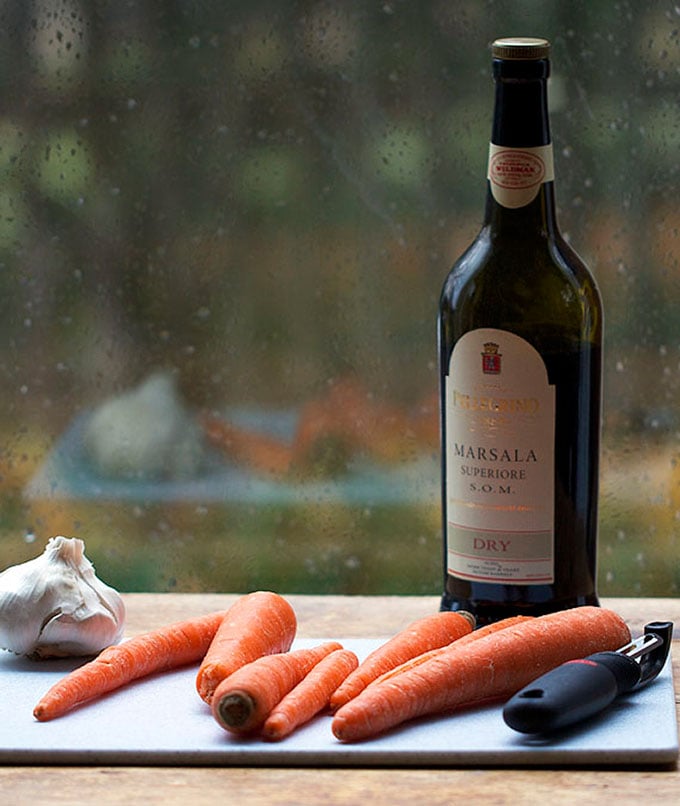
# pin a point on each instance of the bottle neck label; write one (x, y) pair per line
(516, 174)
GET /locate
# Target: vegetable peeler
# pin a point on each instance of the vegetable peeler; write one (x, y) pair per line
(581, 688)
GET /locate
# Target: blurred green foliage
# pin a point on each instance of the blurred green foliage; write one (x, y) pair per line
(264, 196)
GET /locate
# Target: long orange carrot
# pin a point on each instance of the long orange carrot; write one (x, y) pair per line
(493, 667)
(310, 696)
(243, 700)
(487, 629)
(168, 647)
(431, 631)
(257, 624)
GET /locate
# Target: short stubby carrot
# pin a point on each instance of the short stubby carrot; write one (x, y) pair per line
(168, 647)
(430, 632)
(490, 668)
(257, 624)
(243, 701)
(310, 696)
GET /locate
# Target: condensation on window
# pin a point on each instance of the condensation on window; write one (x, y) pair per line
(223, 234)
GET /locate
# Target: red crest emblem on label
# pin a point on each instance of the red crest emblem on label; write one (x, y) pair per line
(491, 359)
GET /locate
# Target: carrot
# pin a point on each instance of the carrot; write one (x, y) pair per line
(431, 631)
(168, 647)
(492, 667)
(243, 700)
(260, 452)
(487, 629)
(257, 624)
(310, 696)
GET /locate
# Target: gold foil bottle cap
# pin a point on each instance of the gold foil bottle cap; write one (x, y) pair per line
(520, 47)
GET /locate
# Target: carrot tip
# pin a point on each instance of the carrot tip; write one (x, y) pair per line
(272, 733)
(235, 709)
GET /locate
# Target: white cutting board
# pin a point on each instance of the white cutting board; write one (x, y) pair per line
(161, 720)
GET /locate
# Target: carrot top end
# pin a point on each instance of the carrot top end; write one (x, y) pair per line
(235, 709)
(469, 617)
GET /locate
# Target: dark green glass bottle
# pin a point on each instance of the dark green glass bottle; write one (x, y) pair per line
(520, 341)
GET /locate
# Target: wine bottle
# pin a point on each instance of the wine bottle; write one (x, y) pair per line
(520, 344)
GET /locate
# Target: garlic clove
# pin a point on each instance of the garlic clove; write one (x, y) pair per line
(56, 606)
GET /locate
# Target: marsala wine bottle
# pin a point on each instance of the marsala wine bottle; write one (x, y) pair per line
(520, 342)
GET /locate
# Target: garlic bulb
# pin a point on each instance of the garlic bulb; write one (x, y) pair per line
(55, 606)
(145, 433)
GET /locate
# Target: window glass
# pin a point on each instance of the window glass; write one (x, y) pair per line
(223, 233)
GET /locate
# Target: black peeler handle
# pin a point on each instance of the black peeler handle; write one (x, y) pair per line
(582, 688)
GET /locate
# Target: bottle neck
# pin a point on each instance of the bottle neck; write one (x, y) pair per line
(538, 217)
(520, 195)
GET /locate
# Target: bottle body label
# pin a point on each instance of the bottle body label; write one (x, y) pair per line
(500, 445)
(516, 174)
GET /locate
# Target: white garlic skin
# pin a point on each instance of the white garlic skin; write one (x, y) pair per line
(56, 606)
(145, 433)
